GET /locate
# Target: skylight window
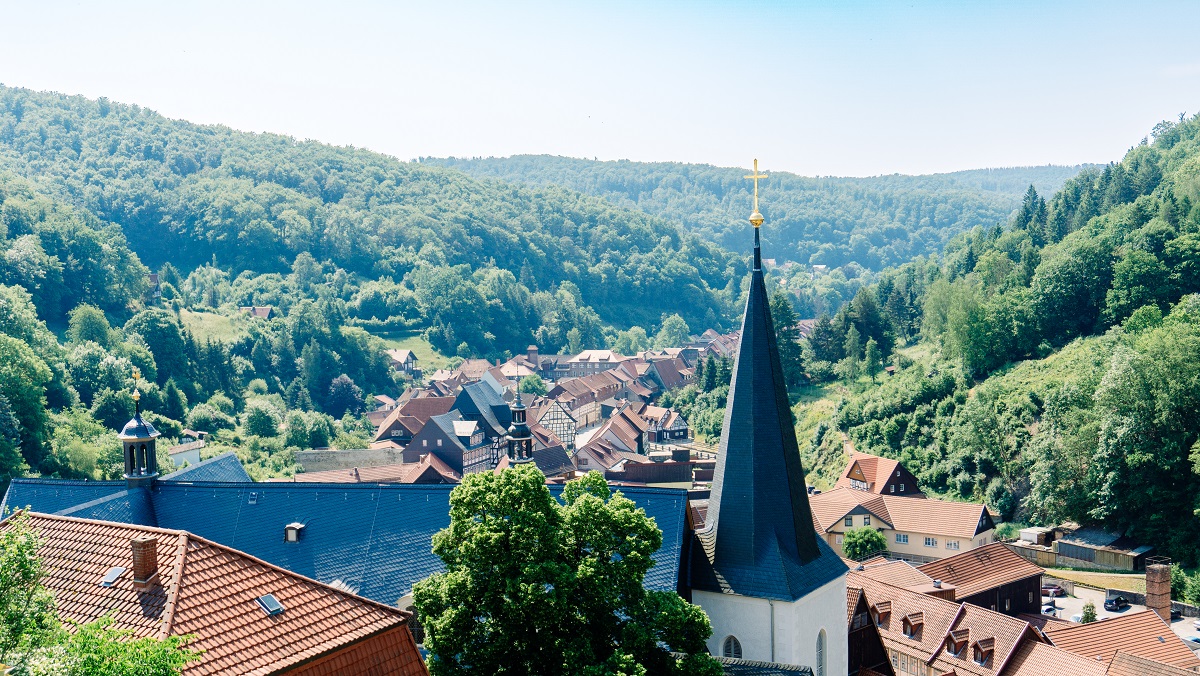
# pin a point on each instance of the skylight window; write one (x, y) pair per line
(111, 576)
(269, 604)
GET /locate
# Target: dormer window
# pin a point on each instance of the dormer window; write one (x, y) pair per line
(292, 532)
(882, 611)
(982, 651)
(956, 642)
(912, 624)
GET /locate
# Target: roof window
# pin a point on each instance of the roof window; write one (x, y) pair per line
(253, 499)
(269, 604)
(111, 576)
(293, 531)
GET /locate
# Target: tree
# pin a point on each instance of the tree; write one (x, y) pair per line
(787, 337)
(87, 322)
(710, 373)
(164, 338)
(631, 342)
(532, 384)
(209, 418)
(674, 333)
(1089, 613)
(535, 586)
(872, 359)
(860, 543)
(852, 347)
(97, 649)
(174, 401)
(260, 419)
(344, 396)
(27, 613)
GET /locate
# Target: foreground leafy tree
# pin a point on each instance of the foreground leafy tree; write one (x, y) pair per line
(532, 384)
(27, 620)
(535, 586)
(860, 543)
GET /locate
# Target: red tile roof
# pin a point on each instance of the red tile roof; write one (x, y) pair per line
(1141, 634)
(1039, 659)
(208, 590)
(429, 469)
(1124, 664)
(981, 569)
(910, 514)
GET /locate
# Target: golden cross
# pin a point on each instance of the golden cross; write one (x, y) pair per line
(756, 216)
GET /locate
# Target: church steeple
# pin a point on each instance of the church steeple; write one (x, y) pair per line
(758, 537)
(520, 438)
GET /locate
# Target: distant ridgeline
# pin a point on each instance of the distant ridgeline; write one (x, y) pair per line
(874, 222)
(486, 265)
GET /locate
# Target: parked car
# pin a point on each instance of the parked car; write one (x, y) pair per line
(1196, 624)
(1194, 640)
(1176, 614)
(1050, 610)
(1116, 603)
(1077, 618)
(1052, 590)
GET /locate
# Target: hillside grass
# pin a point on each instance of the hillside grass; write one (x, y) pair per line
(428, 358)
(211, 326)
(1134, 582)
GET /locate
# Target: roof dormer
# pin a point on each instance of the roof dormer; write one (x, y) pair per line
(956, 642)
(982, 651)
(912, 623)
(881, 611)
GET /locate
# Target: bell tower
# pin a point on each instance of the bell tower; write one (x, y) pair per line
(138, 443)
(520, 439)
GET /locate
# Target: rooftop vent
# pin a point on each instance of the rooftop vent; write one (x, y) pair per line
(111, 576)
(253, 499)
(937, 584)
(269, 604)
(292, 531)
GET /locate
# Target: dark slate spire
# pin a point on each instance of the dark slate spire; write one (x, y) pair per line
(758, 537)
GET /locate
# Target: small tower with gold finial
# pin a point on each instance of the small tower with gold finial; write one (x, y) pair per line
(138, 442)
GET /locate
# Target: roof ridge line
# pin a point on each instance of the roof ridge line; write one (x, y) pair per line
(176, 585)
(962, 608)
(115, 524)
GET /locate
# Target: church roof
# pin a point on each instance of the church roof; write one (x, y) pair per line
(224, 467)
(373, 537)
(758, 538)
(138, 429)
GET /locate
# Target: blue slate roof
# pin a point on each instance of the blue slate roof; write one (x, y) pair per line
(51, 496)
(758, 539)
(224, 467)
(375, 538)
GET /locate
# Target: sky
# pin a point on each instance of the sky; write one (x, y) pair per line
(848, 88)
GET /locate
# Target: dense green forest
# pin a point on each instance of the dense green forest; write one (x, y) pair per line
(480, 264)
(870, 222)
(1053, 363)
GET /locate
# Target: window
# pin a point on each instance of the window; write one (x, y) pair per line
(583, 462)
(893, 487)
(849, 522)
(930, 542)
(901, 538)
(839, 539)
(732, 648)
(821, 653)
(1031, 597)
(269, 604)
(439, 443)
(1007, 605)
(424, 443)
(951, 544)
(867, 520)
(901, 488)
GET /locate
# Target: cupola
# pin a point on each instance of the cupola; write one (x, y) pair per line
(520, 439)
(138, 443)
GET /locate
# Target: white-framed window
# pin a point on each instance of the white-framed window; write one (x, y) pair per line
(395, 433)
(849, 522)
(951, 544)
(424, 443)
(821, 653)
(839, 539)
(901, 538)
(1007, 605)
(901, 488)
(867, 520)
(893, 487)
(930, 542)
(439, 443)
(731, 647)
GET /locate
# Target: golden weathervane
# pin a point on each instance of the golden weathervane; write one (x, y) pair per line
(756, 218)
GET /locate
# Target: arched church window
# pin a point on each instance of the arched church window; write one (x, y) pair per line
(732, 648)
(821, 653)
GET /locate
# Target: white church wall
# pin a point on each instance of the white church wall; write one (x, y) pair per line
(797, 626)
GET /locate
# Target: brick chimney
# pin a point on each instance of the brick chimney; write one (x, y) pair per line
(145, 561)
(1158, 590)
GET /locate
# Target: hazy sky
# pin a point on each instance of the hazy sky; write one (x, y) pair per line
(828, 88)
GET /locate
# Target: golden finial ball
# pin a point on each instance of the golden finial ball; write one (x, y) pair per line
(137, 396)
(756, 218)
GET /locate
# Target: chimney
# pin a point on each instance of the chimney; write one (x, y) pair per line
(1158, 589)
(145, 561)
(531, 353)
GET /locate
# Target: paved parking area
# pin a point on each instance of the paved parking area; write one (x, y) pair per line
(1073, 605)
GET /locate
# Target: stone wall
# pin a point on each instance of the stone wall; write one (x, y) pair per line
(321, 460)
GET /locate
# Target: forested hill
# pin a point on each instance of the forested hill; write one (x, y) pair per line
(875, 222)
(484, 265)
(1054, 362)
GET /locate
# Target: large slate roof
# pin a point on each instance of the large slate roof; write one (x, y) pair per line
(224, 467)
(758, 539)
(374, 538)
